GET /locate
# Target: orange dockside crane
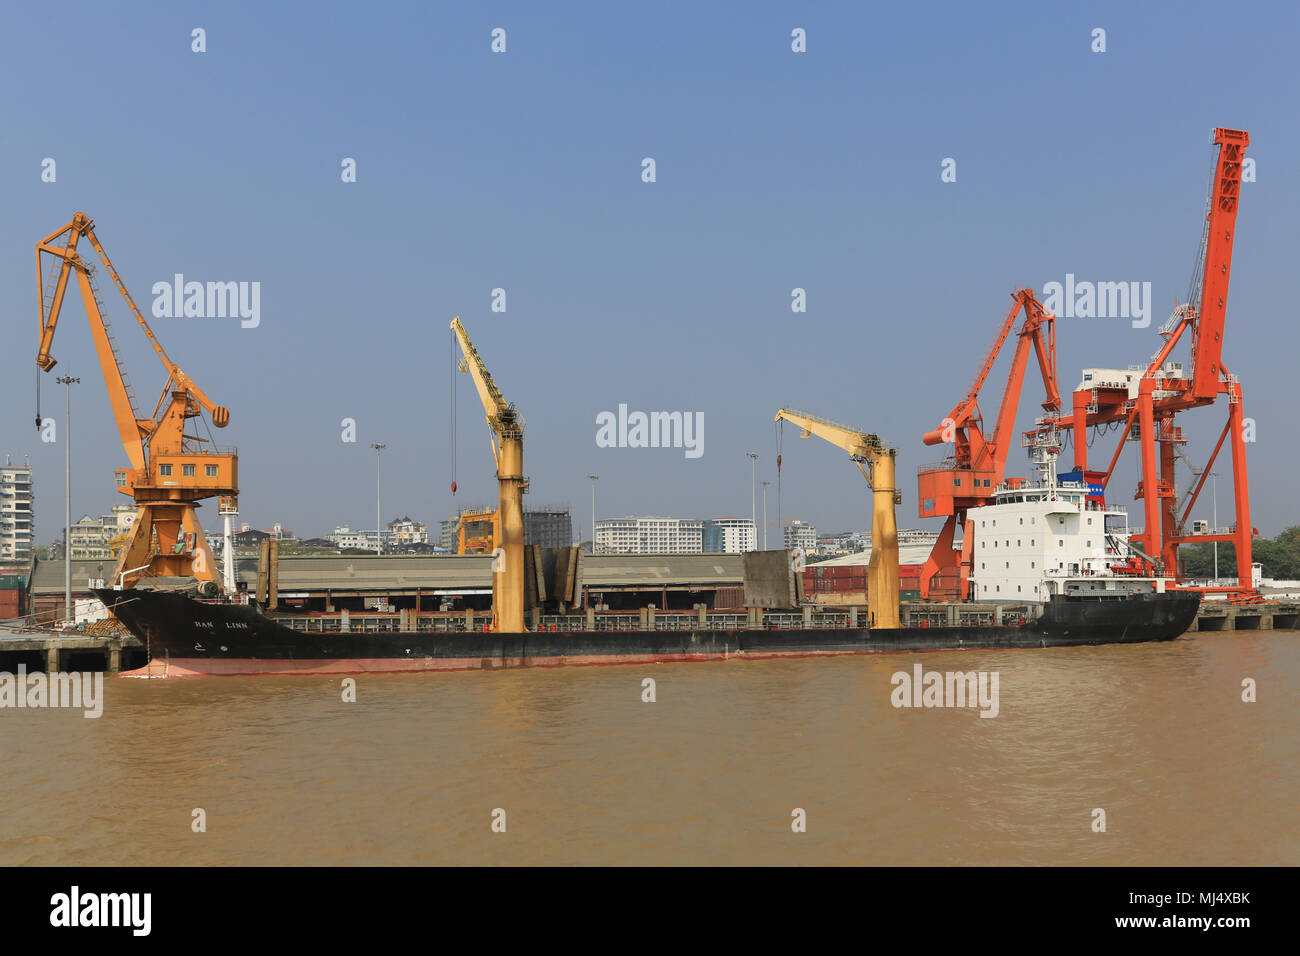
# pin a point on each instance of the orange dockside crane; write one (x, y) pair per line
(170, 470)
(1146, 402)
(1149, 406)
(968, 479)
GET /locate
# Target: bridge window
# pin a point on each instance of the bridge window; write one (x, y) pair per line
(187, 471)
(210, 471)
(165, 470)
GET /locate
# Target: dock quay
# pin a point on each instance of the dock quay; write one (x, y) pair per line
(50, 651)
(1268, 616)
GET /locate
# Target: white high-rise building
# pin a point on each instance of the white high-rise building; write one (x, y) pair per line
(648, 535)
(92, 538)
(800, 534)
(730, 535)
(16, 519)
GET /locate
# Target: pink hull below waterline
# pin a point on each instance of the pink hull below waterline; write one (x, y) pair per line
(249, 667)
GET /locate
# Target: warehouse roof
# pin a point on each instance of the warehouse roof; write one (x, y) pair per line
(907, 554)
(375, 572)
(434, 571)
(629, 570)
(47, 576)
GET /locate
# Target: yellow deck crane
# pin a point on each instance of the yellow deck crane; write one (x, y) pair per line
(170, 470)
(876, 462)
(508, 451)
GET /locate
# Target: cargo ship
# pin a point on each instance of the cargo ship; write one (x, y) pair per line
(1046, 570)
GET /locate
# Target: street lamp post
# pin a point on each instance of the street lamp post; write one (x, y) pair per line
(594, 479)
(68, 381)
(753, 494)
(379, 532)
(764, 484)
(1214, 480)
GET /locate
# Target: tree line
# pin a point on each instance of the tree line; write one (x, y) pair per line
(1279, 556)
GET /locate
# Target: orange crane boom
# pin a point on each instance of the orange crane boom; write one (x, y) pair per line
(169, 471)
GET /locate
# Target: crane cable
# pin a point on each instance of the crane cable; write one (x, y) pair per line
(780, 520)
(452, 380)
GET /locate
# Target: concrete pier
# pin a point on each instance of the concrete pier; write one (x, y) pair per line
(52, 652)
(1270, 616)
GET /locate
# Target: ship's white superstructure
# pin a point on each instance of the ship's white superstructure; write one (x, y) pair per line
(1052, 536)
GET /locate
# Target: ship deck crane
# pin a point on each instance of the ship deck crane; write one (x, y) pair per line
(508, 452)
(169, 471)
(876, 462)
(977, 466)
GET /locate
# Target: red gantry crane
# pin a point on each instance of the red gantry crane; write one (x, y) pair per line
(972, 474)
(1148, 401)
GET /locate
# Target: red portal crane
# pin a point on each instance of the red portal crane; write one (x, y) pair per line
(976, 468)
(1147, 403)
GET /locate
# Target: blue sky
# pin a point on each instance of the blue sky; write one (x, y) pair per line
(522, 171)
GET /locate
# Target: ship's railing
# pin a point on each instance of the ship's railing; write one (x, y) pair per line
(948, 464)
(917, 615)
(371, 623)
(951, 615)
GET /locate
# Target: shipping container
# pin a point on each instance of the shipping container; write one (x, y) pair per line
(11, 603)
(728, 599)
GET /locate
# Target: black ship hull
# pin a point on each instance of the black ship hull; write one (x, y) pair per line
(186, 637)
